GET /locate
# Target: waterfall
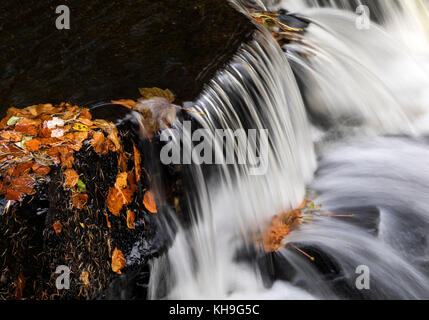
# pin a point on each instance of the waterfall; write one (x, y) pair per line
(359, 83)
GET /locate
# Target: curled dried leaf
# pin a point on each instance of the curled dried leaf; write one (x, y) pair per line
(121, 180)
(84, 276)
(137, 162)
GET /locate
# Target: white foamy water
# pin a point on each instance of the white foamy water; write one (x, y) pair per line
(361, 85)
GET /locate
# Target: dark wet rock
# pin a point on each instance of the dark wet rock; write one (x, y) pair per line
(113, 48)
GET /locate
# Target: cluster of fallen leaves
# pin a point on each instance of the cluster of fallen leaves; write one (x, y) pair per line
(36, 138)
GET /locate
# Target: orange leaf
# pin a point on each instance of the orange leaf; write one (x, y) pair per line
(122, 161)
(11, 136)
(32, 145)
(121, 181)
(149, 202)
(79, 200)
(130, 219)
(128, 103)
(114, 137)
(114, 201)
(118, 261)
(13, 195)
(137, 162)
(85, 114)
(26, 128)
(71, 178)
(57, 227)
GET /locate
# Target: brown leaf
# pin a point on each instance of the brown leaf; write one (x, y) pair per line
(130, 219)
(114, 201)
(148, 93)
(117, 198)
(13, 195)
(99, 144)
(128, 103)
(149, 202)
(114, 137)
(32, 145)
(72, 178)
(132, 182)
(27, 129)
(137, 162)
(85, 114)
(118, 261)
(122, 161)
(66, 156)
(79, 200)
(57, 227)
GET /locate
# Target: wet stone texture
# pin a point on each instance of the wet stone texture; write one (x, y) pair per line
(112, 48)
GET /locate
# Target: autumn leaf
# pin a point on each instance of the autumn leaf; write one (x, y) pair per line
(79, 200)
(148, 93)
(137, 162)
(114, 138)
(32, 145)
(117, 198)
(85, 114)
(149, 202)
(114, 201)
(26, 128)
(57, 227)
(118, 261)
(158, 113)
(81, 187)
(128, 103)
(121, 180)
(84, 276)
(72, 178)
(99, 144)
(122, 161)
(130, 219)
(40, 169)
(13, 195)
(80, 127)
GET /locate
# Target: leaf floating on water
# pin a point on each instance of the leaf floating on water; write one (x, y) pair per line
(118, 261)
(72, 178)
(149, 202)
(148, 93)
(57, 227)
(130, 219)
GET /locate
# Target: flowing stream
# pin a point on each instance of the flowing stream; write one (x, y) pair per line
(346, 111)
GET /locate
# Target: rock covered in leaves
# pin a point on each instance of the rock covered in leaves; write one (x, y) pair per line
(74, 193)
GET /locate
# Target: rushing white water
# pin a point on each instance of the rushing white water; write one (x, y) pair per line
(365, 81)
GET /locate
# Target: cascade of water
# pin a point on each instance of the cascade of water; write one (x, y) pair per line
(346, 75)
(257, 91)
